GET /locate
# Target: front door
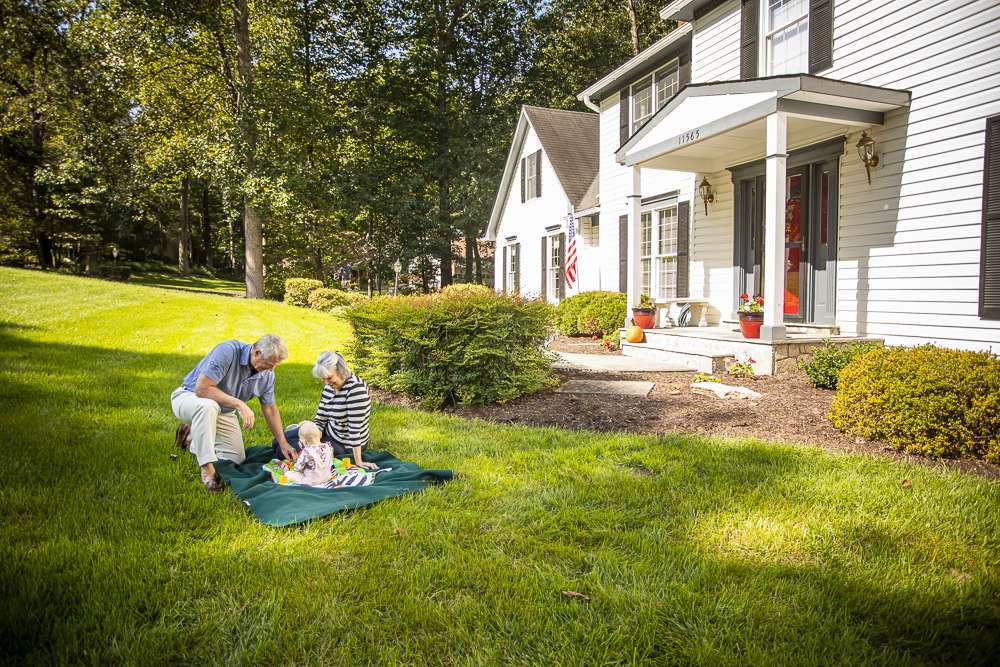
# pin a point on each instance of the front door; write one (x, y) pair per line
(810, 240)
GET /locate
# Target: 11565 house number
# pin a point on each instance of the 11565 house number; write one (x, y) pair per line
(689, 136)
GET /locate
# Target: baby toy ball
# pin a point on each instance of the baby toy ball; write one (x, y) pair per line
(634, 334)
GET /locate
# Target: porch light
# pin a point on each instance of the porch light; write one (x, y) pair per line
(866, 151)
(707, 194)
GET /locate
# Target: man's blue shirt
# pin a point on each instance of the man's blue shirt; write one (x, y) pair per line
(228, 365)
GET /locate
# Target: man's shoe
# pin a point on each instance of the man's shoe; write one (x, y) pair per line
(182, 437)
(211, 482)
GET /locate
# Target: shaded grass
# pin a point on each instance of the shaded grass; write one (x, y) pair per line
(692, 550)
(193, 282)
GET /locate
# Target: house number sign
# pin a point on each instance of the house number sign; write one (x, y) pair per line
(689, 136)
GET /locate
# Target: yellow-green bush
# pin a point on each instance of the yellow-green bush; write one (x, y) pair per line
(467, 346)
(297, 290)
(923, 400)
(568, 312)
(604, 315)
(459, 290)
(328, 299)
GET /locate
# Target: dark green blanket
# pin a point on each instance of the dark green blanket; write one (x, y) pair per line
(278, 505)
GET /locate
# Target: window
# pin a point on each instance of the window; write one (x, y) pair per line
(642, 102)
(650, 94)
(667, 83)
(666, 255)
(786, 29)
(531, 175)
(555, 266)
(514, 267)
(645, 252)
(590, 231)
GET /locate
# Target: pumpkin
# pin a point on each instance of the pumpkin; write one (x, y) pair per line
(633, 334)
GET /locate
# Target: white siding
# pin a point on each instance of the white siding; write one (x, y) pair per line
(712, 249)
(528, 221)
(715, 46)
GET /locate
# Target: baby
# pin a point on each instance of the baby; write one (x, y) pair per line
(309, 434)
(315, 460)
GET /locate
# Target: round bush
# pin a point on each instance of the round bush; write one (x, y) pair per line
(604, 315)
(568, 311)
(824, 367)
(297, 290)
(923, 400)
(329, 299)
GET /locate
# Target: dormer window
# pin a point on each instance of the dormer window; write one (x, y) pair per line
(786, 31)
(651, 93)
(642, 102)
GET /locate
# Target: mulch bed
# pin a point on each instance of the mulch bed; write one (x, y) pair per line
(791, 410)
(578, 345)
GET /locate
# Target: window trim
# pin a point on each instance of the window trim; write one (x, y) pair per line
(658, 256)
(530, 175)
(766, 33)
(513, 267)
(652, 78)
(555, 269)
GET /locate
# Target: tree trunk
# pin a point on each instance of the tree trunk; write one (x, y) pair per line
(470, 253)
(36, 190)
(633, 20)
(444, 212)
(184, 235)
(232, 243)
(479, 263)
(206, 228)
(253, 228)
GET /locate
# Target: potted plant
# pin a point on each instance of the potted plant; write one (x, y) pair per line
(644, 315)
(751, 313)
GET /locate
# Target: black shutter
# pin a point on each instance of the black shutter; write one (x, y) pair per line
(683, 70)
(538, 173)
(543, 291)
(505, 269)
(522, 178)
(624, 102)
(562, 267)
(989, 257)
(517, 268)
(683, 248)
(820, 35)
(622, 253)
(749, 29)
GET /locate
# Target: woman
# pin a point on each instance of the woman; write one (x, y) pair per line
(344, 407)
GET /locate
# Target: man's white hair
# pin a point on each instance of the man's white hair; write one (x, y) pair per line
(272, 348)
(331, 364)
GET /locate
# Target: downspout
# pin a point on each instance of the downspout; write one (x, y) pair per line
(587, 102)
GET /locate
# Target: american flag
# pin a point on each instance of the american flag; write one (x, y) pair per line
(571, 255)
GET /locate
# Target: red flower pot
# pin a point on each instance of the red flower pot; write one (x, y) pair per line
(750, 324)
(644, 317)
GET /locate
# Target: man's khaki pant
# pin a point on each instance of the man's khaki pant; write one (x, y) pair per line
(214, 434)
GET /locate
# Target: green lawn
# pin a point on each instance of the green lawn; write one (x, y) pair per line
(192, 282)
(692, 551)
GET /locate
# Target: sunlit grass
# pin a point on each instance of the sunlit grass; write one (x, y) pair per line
(731, 552)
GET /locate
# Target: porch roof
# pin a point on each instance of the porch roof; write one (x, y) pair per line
(706, 126)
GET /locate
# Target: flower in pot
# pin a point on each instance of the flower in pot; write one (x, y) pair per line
(751, 312)
(644, 315)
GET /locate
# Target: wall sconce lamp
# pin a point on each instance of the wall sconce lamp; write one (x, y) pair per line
(707, 193)
(866, 151)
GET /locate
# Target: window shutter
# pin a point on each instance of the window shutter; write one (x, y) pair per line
(989, 258)
(543, 290)
(683, 247)
(562, 267)
(523, 160)
(505, 269)
(517, 268)
(538, 173)
(749, 29)
(623, 113)
(622, 253)
(683, 70)
(820, 35)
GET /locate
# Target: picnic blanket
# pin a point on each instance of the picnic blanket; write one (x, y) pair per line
(278, 505)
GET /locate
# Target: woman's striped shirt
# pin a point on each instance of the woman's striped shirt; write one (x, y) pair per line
(342, 414)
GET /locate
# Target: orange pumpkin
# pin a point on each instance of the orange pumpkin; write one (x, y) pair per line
(633, 334)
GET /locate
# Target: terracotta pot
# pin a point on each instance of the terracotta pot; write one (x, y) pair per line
(644, 317)
(750, 324)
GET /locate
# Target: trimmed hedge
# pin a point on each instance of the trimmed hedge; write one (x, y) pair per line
(467, 290)
(460, 346)
(824, 367)
(297, 290)
(923, 400)
(569, 311)
(328, 299)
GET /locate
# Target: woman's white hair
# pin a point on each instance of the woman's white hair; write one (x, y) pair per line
(331, 364)
(272, 348)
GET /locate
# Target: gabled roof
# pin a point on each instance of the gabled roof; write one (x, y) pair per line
(570, 140)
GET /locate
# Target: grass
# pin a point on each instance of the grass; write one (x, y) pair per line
(192, 282)
(691, 550)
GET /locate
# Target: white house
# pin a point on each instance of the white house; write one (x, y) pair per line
(766, 103)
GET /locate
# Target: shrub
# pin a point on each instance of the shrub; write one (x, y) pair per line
(826, 363)
(923, 400)
(297, 290)
(330, 299)
(448, 348)
(463, 290)
(604, 315)
(568, 312)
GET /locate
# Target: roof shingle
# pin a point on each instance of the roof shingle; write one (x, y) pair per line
(570, 140)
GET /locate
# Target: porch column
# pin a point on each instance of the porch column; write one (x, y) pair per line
(634, 206)
(774, 228)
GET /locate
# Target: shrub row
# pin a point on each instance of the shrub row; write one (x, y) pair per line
(591, 313)
(923, 400)
(464, 345)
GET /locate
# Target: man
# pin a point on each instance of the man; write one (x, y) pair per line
(211, 402)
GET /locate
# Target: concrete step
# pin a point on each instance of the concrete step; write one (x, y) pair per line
(792, 328)
(706, 363)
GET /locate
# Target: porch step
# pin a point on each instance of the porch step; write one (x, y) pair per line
(814, 329)
(696, 361)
